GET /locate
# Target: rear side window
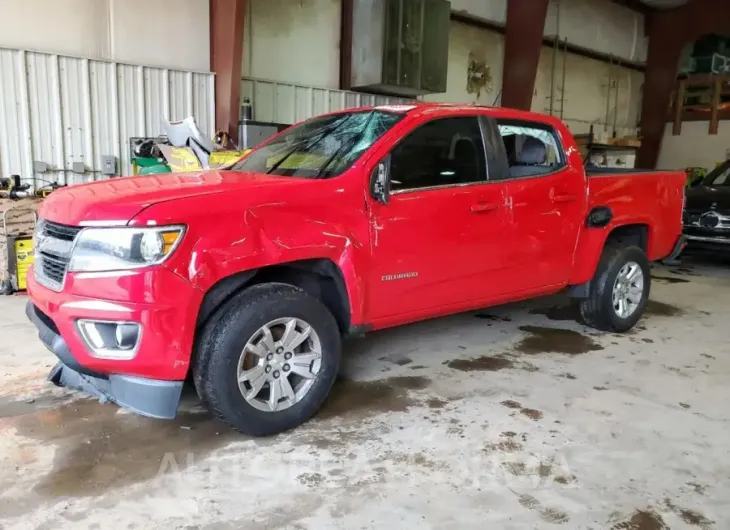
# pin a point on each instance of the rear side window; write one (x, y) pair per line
(532, 149)
(442, 152)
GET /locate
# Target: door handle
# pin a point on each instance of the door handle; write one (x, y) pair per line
(564, 197)
(483, 207)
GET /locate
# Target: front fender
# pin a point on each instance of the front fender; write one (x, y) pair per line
(263, 237)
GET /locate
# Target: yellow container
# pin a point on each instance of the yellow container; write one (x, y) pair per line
(24, 259)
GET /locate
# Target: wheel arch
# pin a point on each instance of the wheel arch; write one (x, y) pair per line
(634, 234)
(591, 245)
(319, 277)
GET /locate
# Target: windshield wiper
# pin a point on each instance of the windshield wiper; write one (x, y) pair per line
(307, 144)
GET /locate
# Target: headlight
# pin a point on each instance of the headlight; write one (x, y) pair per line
(38, 233)
(110, 249)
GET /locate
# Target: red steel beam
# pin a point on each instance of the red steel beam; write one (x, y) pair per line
(346, 22)
(226, 59)
(669, 31)
(522, 46)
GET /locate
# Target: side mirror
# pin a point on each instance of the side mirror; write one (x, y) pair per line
(380, 180)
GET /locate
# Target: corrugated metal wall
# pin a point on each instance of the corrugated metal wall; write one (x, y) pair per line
(288, 103)
(61, 110)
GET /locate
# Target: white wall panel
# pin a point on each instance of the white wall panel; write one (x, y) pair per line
(483, 45)
(63, 110)
(494, 11)
(15, 150)
(105, 111)
(586, 93)
(695, 147)
(297, 41)
(599, 25)
(287, 103)
(293, 41)
(169, 33)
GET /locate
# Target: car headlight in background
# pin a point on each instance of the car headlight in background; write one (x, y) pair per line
(111, 249)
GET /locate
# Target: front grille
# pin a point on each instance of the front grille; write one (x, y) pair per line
(706, 220)
(54, 243)
(57, 231)
(690, 218)
(53, 267)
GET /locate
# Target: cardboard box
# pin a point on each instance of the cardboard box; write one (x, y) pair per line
(19, 216)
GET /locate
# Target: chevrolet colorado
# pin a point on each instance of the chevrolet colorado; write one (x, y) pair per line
(245, 280)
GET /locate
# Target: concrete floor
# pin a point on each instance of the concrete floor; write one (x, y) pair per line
(513, 417)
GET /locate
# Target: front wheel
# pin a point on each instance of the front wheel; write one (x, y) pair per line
(268, 359)
(619, 290)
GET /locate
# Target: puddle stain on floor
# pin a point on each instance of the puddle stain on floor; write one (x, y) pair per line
(532, 413)
(685, 271)
(654, 308)
(101, 448)
(484, 363)
(560, 313)
(547, 514)
(690, 517)
(400, 360)
(98, 448)
(487, 316)
(555, 340)
(642, 520)
(668, 279)
(359, 399)
(571, 312)
(10, 407)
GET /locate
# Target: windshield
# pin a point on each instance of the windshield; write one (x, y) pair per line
(720, 176)
(321, 147)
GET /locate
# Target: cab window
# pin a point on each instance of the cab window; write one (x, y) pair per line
(532, 149)
(442, 152)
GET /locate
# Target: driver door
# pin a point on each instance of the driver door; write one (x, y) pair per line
(438, 236)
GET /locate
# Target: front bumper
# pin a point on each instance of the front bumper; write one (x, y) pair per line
(149, 397)
(164, 305)
(719, 245)
(679, 246)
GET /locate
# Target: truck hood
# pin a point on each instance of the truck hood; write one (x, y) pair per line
(709, 198)
(118, 200)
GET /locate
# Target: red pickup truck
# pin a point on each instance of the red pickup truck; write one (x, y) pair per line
(245, 280)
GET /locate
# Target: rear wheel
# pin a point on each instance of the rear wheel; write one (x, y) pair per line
(619, 290)
(268, 359)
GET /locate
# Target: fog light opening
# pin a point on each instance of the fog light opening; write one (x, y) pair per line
(110, 340)
(126, 336)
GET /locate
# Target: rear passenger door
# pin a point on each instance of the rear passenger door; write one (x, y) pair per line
(546, 201)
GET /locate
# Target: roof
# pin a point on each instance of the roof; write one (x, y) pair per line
(419, 108)
(425, 107)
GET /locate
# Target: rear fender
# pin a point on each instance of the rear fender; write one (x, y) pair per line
(591, 243)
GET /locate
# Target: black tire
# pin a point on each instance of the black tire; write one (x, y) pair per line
(224, 337)
(597, 310)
